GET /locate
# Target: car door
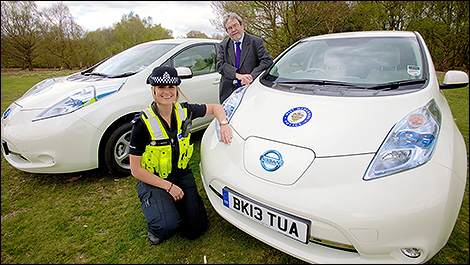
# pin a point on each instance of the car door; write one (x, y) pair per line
(203, 87)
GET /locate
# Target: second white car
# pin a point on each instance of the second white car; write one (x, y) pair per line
(82, 121)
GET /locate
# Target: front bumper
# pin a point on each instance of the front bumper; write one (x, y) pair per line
(416, 208)
(57, 145)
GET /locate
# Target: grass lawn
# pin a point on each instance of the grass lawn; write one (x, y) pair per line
(93, 217)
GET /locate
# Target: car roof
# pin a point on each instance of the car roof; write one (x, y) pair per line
(360, 34)
(186, 40)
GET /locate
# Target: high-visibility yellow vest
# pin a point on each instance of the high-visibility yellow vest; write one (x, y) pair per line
(157, 157)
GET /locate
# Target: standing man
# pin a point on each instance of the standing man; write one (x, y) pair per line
(240, 58)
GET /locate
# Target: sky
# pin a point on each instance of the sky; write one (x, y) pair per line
(178, 16)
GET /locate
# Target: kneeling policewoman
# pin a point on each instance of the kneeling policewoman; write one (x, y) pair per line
(159, 154)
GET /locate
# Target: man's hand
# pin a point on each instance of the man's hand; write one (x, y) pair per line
(244, 78)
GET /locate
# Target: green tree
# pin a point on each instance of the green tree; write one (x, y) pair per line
(367, 15)
(132, 30)
(444, 26)
(381, 15)
(61, 36)
(196, 34)
(282, 23)
(96, 46)
(218, 36)
(20, 33)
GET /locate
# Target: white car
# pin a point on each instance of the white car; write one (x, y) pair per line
(82, 121)
(344, 151)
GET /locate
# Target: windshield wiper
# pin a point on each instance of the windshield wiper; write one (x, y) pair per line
(386, 86)
(319, 83)
(98, 74)
(396, 85)
(313, 82)
(123, 75)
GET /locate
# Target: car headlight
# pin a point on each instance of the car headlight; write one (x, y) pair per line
(230, 106)
(409, 144)
(86, 96)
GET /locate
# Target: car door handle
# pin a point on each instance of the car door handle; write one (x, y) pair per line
(216, 82)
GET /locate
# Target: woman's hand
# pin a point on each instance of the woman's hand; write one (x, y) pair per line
(225, 130)
(226, 134)
(176, 192)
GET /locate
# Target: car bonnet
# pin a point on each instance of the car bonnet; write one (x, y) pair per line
(58, 90)
(327, 125)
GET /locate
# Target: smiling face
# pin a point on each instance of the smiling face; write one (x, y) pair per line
(234, 29)
(165, 95)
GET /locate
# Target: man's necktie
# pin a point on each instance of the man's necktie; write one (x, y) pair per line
(237, 59)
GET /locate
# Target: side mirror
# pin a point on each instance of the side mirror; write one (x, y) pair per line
(454, 79)
(184, 72)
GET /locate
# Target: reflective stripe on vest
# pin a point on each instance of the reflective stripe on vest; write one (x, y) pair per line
(156, 129)
(157, 157)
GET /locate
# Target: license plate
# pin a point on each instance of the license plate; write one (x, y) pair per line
(284, 223)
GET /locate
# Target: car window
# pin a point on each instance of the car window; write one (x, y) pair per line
(356, 60)
(200, 59)
(134, 59)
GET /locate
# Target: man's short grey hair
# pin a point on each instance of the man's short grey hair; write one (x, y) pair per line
(231, 16)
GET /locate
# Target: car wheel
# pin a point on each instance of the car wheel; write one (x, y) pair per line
(116, 152)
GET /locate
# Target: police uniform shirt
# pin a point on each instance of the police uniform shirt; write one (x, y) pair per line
(140, 136)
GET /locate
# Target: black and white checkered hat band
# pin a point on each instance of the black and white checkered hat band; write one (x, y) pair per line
(166, 79)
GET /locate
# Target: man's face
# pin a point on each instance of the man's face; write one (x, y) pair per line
(234, 29)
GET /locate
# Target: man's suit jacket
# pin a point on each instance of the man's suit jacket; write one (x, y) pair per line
(254, 60)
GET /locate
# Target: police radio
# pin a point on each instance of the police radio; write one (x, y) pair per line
(186, 126)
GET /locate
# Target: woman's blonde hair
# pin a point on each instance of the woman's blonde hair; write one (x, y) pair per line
(178, 92)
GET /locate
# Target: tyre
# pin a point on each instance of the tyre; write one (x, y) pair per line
(116, 153)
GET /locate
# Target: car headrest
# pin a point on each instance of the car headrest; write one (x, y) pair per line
(389, 56)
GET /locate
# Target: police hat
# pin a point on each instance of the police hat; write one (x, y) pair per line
(164, 75)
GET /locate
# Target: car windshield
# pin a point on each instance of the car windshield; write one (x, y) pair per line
(364, 61)
(132, 60)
